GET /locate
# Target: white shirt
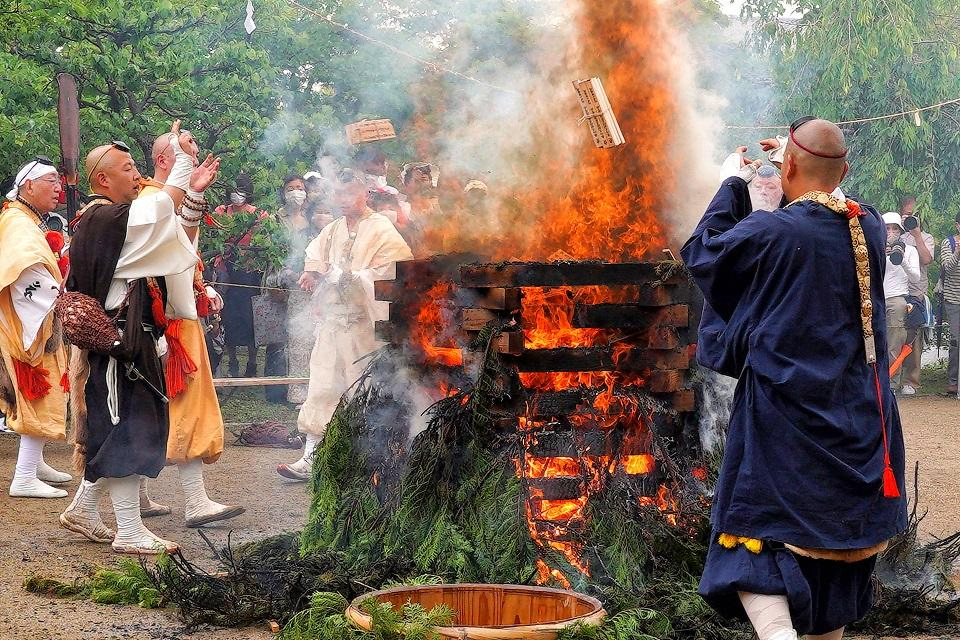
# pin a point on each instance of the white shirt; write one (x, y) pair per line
(899, 277)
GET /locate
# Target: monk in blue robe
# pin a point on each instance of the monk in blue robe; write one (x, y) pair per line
(811, 484)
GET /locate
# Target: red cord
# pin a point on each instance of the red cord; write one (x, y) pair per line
(890, 488)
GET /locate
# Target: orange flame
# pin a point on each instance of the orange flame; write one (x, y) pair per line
(431, 323)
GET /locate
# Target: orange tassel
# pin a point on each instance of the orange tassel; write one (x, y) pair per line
(179, 363)
(33, 382)
(65, 382)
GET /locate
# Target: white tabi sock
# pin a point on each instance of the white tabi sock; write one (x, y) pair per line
(833, 635)
(48, 474)
(309, 447)
(132, 536)
(769, 615)
(149, 508)
(25, 482)
(199, 509)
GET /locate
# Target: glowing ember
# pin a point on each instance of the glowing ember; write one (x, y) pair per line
(638, 465)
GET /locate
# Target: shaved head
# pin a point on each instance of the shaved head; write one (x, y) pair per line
(815, 159)
(112, 173)
(161, 146)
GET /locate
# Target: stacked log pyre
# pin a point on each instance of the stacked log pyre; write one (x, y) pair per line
(602, 393)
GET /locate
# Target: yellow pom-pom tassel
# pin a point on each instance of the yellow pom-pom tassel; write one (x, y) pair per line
(727, 541)
(752, 544)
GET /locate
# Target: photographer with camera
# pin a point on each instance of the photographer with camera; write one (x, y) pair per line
(902, 273)
(949, 290)
(917, 337)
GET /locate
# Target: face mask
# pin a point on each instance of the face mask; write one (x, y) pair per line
(296, 197)
(238, 198)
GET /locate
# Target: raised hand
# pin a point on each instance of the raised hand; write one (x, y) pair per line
(205, 174)
(769, 144)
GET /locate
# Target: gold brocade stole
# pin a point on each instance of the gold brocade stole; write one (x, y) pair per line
(851, 210)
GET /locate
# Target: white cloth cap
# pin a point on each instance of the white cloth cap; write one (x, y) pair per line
(30, 171)
(892, 217)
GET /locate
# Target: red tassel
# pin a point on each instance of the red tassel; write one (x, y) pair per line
(203, 302)
(65, 381)
(64, 264)
(156, 306)
(34, 382)
(890, 488)
(179, 363)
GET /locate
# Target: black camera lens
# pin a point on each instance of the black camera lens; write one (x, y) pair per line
(910, 223)
(896, 253)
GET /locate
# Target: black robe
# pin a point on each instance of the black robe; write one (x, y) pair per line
(137, 445)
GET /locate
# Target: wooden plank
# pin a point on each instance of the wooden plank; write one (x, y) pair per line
(663, 338)
(476, 319)
(684, 401)
(556, 274)
(386, 331)
(628, 316)
(497, 298)
(385, 290)
(666, 381)
(257, 382)
(509, 343)
(598, 359)
(662, 296)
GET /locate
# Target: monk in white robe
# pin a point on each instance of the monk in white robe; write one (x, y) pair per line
(341, 266)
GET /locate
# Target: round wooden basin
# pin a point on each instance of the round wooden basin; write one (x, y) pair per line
(492, 611)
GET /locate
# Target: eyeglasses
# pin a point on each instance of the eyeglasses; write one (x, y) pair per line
(119, 146)
(44, 160)
(799, 122)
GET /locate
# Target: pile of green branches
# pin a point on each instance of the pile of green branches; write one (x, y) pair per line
(128, 583)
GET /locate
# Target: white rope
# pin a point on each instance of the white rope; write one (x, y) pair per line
(858, 120)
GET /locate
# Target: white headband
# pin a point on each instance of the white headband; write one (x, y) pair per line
(30, 171)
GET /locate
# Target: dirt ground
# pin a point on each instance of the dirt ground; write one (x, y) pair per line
(33, 542)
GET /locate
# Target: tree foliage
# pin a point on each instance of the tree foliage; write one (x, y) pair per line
(269, 103)
(846, 59)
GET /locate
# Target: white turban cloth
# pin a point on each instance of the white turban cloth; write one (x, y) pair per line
(30, 171)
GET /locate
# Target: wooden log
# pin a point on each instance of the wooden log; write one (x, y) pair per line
(684, 401)
(557, 274)
(628, 316)
(558, 488)
(665, 381)
(598, 359)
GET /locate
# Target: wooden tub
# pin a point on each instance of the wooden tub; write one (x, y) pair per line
(492, 611)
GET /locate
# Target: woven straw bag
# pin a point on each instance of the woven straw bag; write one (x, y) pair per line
(85, 323)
